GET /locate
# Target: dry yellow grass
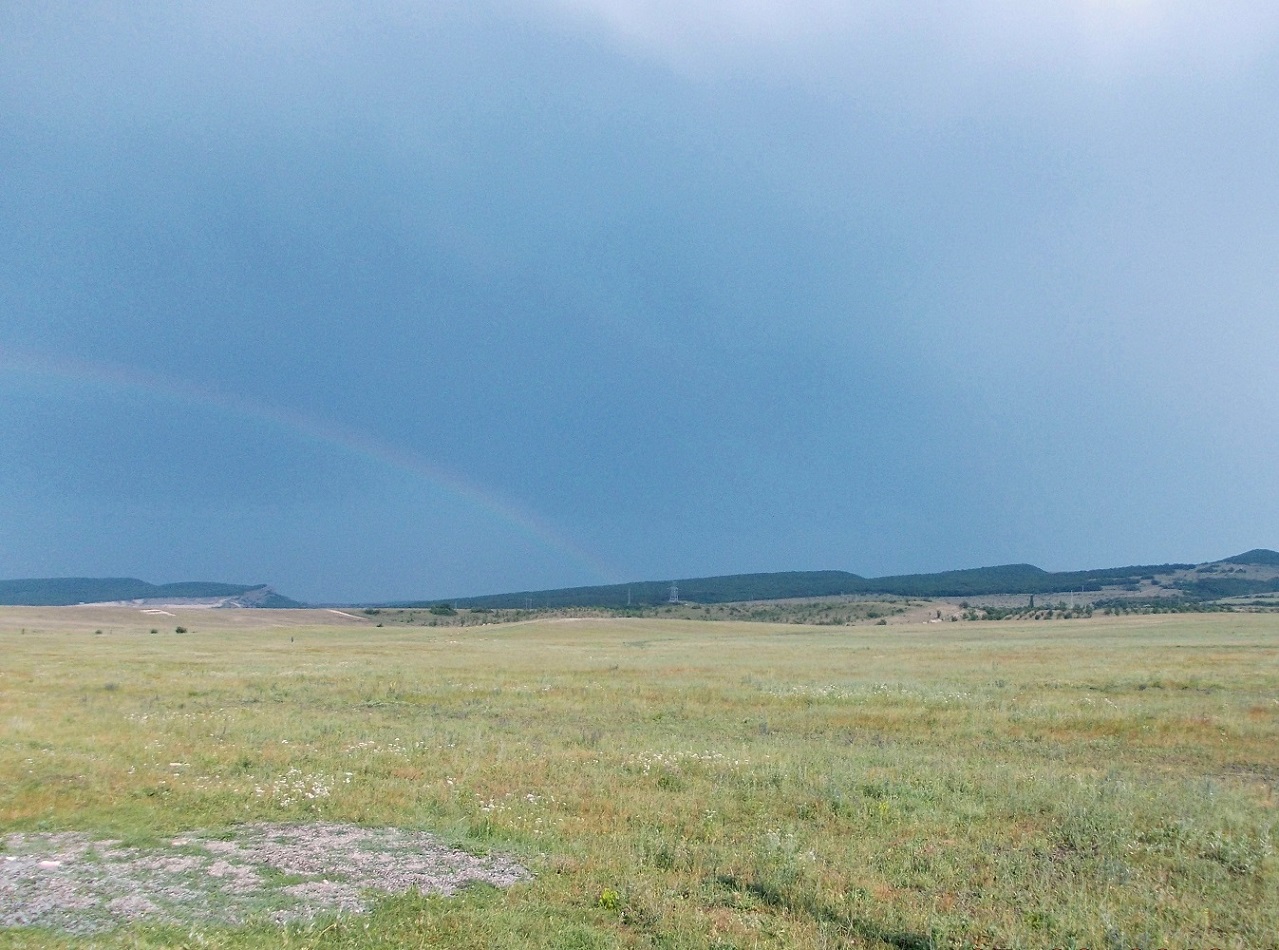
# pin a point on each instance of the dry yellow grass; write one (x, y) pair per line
(684, 783)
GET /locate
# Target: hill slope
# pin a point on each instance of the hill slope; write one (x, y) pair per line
(1001, 579)
(67, 591)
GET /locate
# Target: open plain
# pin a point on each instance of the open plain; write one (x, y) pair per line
(1109, 782)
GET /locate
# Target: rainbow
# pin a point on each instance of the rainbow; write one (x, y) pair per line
(334, 435)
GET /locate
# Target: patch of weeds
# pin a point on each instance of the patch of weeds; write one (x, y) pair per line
(141, 839)
(804, 902)
(1089, 831)
(665, 855)
(670, 781)
(1040, 921)
(1238, 853)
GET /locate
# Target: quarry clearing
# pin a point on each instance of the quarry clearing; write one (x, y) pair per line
(132, 618)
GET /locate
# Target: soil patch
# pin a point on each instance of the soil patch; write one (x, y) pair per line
(73, 883)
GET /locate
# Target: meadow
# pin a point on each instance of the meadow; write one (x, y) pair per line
(1104, 782)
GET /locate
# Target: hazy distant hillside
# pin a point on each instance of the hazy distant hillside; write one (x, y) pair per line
(702, 590)
(1205, 581)
(1255, 556)
(66, 591)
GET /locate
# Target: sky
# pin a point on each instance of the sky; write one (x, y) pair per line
(396, 299)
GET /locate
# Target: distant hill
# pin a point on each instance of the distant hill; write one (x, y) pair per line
(67, 591)
(1255, 556)
(973, 582)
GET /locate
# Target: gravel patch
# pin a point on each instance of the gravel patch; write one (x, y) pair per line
(282, 872)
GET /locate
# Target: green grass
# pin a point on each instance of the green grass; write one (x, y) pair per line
(1101, 783)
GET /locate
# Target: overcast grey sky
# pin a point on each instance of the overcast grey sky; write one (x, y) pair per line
(401, 299)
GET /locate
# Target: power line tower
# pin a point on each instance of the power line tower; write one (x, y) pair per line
(674, 598)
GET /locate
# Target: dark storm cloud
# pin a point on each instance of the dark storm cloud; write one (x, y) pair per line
(709, 287)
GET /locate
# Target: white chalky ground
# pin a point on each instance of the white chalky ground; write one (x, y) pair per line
(283, 872)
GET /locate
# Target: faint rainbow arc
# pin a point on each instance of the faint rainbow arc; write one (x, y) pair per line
(80, 371)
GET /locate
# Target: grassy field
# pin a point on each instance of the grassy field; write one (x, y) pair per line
(1110, 782)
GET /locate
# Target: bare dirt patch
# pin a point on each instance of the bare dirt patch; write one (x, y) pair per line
(281, 872)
